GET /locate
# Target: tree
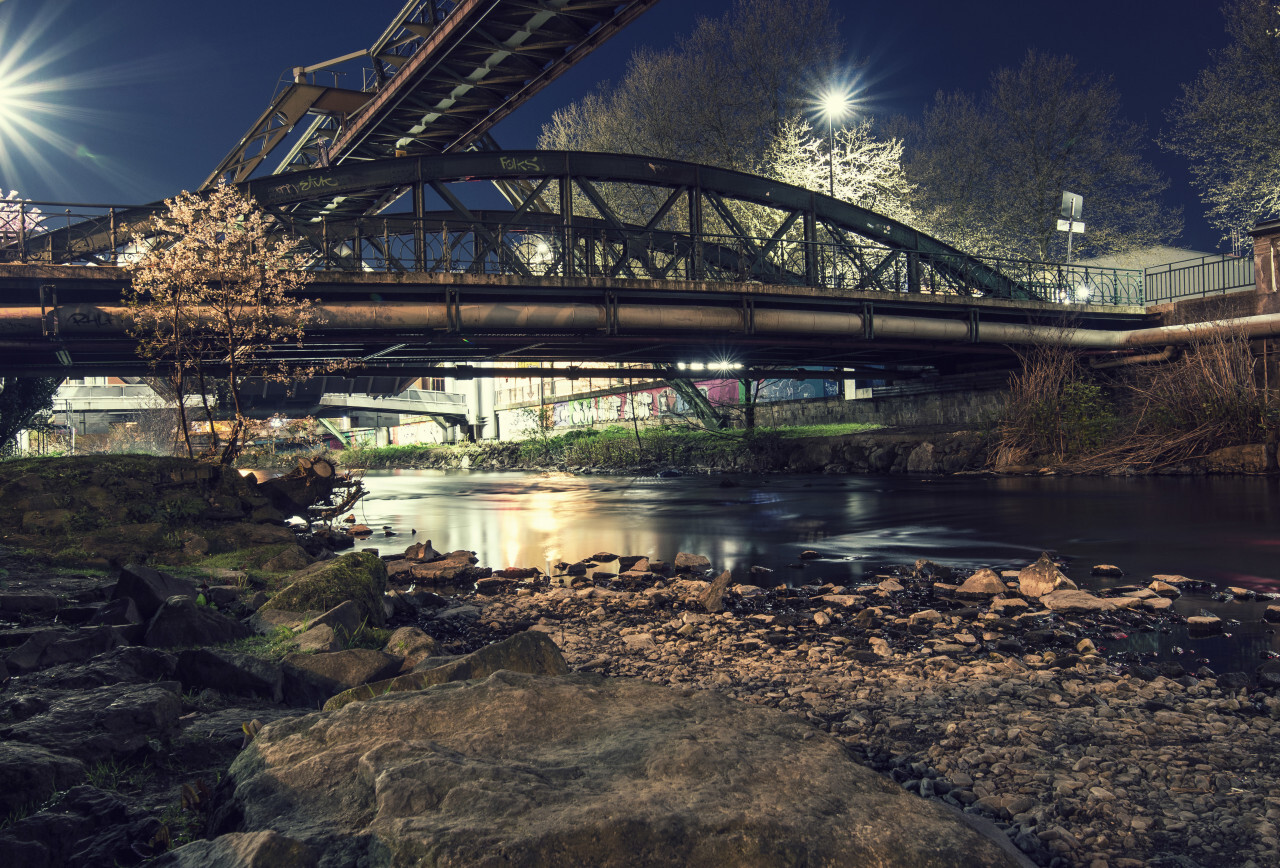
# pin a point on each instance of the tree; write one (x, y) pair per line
(718, 97)
(1227, 121)
(217, 285)
(990, 172)
(866, 171)
(22, 401)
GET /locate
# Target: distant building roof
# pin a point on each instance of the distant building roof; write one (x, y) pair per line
(1142, 258)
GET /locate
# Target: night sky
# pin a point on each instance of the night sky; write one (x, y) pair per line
(146, 96)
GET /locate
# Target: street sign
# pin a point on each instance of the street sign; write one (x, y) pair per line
(1072, 206)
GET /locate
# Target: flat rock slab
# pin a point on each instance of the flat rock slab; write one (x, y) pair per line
(526, 770)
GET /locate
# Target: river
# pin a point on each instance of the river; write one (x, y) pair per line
(1224, 530)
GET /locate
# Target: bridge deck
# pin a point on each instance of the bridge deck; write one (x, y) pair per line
(423, 324)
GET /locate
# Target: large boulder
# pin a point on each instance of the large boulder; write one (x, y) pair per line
(265, 849)
(581, 770)
(53, 647)
(29, 774)
(1042, 577)
(116, 722)
(531, 652)
(149, 588)
(310, 679)
(359, 577)
(230, 672)
(181, 623)
(128, 664)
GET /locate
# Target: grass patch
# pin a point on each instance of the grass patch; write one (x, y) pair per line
(248, 561)
(114, 775)
(838, 430)
(270, 646)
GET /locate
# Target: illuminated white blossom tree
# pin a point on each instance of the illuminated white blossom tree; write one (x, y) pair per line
(215, 287)
(17, 217)
(867, 171)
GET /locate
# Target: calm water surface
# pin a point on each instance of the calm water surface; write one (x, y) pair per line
(1221, 530)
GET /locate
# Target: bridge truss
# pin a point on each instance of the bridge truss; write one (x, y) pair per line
(584, 217)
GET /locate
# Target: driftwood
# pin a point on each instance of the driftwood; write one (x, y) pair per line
(313, 490)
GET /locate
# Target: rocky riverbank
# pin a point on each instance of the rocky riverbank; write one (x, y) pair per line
(148, 716)
(987, 693)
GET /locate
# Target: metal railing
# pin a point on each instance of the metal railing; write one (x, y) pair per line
(1199, 277)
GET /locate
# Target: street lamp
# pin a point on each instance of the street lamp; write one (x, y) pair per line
(835, 105)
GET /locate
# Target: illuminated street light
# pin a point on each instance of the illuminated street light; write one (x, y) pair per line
(835, 104)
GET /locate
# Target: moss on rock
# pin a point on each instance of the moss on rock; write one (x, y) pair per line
(360, 577)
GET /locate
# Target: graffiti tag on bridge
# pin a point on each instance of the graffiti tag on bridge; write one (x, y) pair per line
(96, 318)
(527, 164)
(304, 186)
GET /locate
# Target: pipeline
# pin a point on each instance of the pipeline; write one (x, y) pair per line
(81, 320)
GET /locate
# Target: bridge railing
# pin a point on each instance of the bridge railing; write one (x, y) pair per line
(63, 232)
(1199, 277)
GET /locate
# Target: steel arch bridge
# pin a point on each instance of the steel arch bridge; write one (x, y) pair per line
(587, 216)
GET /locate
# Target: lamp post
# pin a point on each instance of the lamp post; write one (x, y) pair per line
(835, 105)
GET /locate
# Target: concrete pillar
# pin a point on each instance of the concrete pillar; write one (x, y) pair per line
(1266, 238)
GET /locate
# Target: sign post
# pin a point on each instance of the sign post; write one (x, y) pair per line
(1072, 207)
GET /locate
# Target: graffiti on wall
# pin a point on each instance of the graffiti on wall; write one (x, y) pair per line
(665, 404)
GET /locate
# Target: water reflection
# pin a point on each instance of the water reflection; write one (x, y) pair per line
(1225, 531)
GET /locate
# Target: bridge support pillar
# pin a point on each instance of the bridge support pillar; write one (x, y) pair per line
(1266, 238)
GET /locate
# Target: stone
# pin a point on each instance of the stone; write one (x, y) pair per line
(924, 616)
(1041, 578)
(37, 603)
(1251, 458)
(1241, 593)
(104, 723)
(290, 560)
(127, 664)
(265, 849)
(345, 619)
(412, 645)
(149, 588)
(122, 612)
(1272, 613)
(713, 598)
(1204, 624)
(531, 652)
(687, 563)
(357, 576)
(30, 774)
(1164, 589)
(310, 679)
(229, 672)
(182, 622)
(1076, 602)
(88, 826)
(1108, 570)
(53, 646)
(457, 568)
(318, 639)
(983, 584)
(581, 770)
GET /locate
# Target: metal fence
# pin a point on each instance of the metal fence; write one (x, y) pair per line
(1197, 278)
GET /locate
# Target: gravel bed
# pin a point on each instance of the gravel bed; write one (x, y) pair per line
(998, 705)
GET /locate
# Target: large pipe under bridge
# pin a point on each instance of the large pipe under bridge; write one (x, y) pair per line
(85, 320)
